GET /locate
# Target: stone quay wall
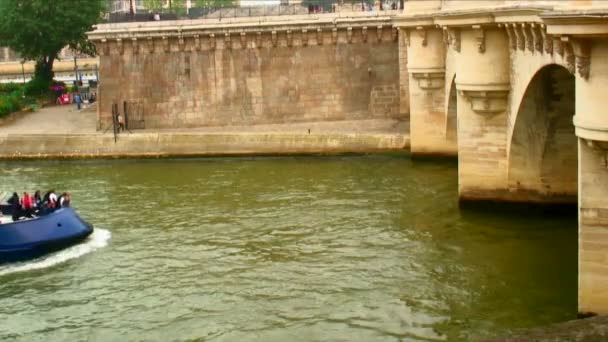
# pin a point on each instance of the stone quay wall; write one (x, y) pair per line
(185, 144)
(209, 73)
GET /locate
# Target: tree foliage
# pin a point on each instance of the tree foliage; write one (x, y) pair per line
(153, 5)
(213, 3)
(39, 29)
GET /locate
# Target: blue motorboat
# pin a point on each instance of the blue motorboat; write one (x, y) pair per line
(35, 237)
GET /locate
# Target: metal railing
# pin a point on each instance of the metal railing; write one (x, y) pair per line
(179, 9)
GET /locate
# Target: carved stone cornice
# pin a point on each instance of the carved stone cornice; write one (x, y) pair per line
(319, 36)
(511, 36)
(104, 47)
(486, 102)
(197, 43)
(569, 57)
(480, 38)
(406, 37)
(581, 50)
(422, 32)
(536, 38)
(243, 38)
(120, 47)
(134, 46)
(454, 38)
(289, 38)
(590, 130)
(600, 147)
(274, 38)
(150, 45)
(519, 37)
(212, 42)
(253, 40)
(254, 31)
(558, 46)
(547, 41)
(590, 22)
(583, 65)
(258, 39)
(227, 41)
(528, 43)
(165, 44)
(304, 37)
(429, 79)
(181, 44)
(379, 31)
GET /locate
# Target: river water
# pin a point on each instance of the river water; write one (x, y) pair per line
(366, 248)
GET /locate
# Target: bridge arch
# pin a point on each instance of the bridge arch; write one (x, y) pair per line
(543, 148)
(451, 124)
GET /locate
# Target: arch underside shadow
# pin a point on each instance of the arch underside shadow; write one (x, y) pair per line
(451, 110)
(543, 153)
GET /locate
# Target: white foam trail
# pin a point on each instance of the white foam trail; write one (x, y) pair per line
(97, 240)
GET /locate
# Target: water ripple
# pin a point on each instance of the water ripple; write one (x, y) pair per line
(291, 249)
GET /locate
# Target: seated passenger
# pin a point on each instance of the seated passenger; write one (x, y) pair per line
(15, 206)
(64, 200)
(27, 205)
(50, 201)
(37, 202)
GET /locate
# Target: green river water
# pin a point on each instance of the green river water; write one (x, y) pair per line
(363, 248)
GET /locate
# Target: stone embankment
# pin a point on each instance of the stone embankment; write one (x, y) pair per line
(62, 132)
(194, 144)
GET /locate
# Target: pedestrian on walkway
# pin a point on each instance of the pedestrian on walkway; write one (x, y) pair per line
(77, 100)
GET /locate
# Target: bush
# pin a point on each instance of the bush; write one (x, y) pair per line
(38, 87)
(6, 88)
(11, 103)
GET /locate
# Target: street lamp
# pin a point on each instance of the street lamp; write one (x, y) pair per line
(75, 72)
(23, 75)
(23, 70)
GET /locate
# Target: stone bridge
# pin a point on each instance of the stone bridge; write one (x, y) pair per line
(514, 89)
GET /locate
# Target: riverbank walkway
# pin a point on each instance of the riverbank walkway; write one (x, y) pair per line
(63, 131)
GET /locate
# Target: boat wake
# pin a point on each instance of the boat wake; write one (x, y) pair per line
(98, 239)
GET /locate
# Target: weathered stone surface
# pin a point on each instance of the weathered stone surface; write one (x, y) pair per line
(229, 75)
(18, 146)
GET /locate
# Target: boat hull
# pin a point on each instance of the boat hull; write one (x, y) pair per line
(29, 239)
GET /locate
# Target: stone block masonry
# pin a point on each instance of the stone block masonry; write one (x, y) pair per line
(199, 74)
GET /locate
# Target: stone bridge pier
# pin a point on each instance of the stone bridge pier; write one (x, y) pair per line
(527, 84)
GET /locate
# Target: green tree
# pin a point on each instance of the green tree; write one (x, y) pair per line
(152, 5)
(213, 3)
(178, 7)
(39, 29)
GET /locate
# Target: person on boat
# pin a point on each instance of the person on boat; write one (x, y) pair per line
(27, 205)
(14, 199)
(64, 200)
(38, 198)
(15, 206)
(50, 200)
(37, 202)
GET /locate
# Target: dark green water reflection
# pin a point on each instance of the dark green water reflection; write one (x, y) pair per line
(287, 249)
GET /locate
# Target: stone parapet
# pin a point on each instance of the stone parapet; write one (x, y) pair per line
(203, 34)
